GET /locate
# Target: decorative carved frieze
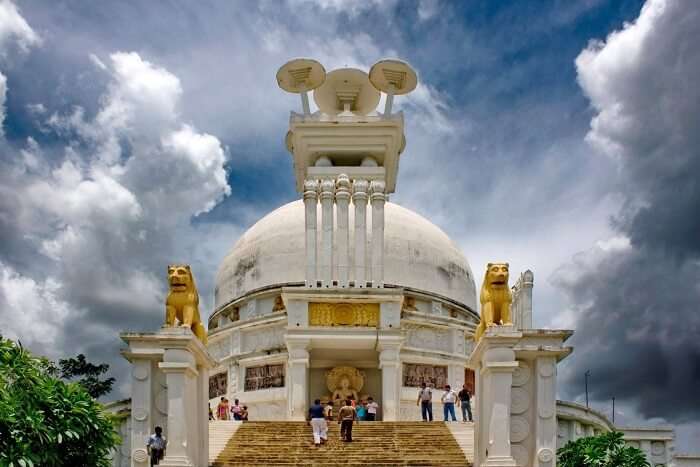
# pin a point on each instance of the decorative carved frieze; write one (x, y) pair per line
(343, 314)
(414, 375)
(264, 377)
(218, 384)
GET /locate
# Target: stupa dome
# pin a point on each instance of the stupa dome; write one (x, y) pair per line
(418, 255)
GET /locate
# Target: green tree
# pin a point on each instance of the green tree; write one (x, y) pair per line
(45, 421)
(86, 374)
(604, 450)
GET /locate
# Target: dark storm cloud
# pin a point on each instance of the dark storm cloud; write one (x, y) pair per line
(637, 324)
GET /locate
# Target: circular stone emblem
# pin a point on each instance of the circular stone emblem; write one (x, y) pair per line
(140, 414)
(519, 429)
(546, 412)
(545, 455)
(519, 401)
(140, 373)
(658, 448)
(521, 375)
(162, 401)
(140, 455)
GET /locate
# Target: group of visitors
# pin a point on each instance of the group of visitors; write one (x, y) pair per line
(225, 411)
(349, 413)
(449, 398)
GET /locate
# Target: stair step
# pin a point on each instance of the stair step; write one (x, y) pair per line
(374, 444)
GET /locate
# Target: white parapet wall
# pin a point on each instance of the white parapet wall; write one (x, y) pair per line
(657, 443)
(686, 460)
(576, 421)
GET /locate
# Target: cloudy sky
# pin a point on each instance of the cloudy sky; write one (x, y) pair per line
(560, 135)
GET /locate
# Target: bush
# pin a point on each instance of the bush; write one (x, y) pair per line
(605, 450)
(45, 421)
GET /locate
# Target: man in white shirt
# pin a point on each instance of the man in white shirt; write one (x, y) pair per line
(448, 403)
(156, 445)
(372, 407)
(425, 400)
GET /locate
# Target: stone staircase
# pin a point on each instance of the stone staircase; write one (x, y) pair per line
(220, 433)
(374, 444)
(464, 435)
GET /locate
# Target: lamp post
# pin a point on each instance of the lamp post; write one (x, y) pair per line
(613, 414)
(587, 374)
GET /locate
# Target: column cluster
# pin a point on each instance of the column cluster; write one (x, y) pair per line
(366, 267)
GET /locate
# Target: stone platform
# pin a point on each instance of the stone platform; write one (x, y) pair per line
(374, 444)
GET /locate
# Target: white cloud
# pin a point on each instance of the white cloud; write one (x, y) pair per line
(3, 98)
(13, 27)
(110, 213)
(32, 311)
(427, 9)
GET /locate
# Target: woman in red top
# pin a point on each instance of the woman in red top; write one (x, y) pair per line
(222, 409)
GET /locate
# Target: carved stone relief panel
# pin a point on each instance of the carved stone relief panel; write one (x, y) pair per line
(343, 314)
(218, 385)
(425, 337)
(263, 339)
(415, 374)
(264, 377)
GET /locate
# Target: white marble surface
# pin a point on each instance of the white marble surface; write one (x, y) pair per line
(417, 254)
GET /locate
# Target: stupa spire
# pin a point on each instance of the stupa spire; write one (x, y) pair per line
(345, 152)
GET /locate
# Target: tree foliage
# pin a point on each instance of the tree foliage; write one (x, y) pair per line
(86, 374)
(604, 450)
(45, 421)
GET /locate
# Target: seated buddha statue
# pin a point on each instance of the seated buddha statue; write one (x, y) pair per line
(344, 391)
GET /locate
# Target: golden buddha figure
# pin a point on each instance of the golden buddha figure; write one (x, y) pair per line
(344, 382)
(344, 391)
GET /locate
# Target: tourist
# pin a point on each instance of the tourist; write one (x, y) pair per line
(346, 417)
(222, 409)
(448, 403)
(155, 446)
(361, 410)
(211, 413)
(236, 410)
(371, 409)
(425, 400)
(319, 424)
(465, 402)
(244, 414)
(328, 411)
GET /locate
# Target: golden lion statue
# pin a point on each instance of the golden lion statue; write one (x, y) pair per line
(495, 298)
(183, 301)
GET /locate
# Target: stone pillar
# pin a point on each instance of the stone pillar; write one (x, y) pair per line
(516, 388)
(526, 304)
(359, 199)
(545, 368)
(390, 364)
(298, 378)
(180, 371)
(310, 205)
(142, 423)
(184, 360)
(378, 198)
(327, 195)
(342, 197)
